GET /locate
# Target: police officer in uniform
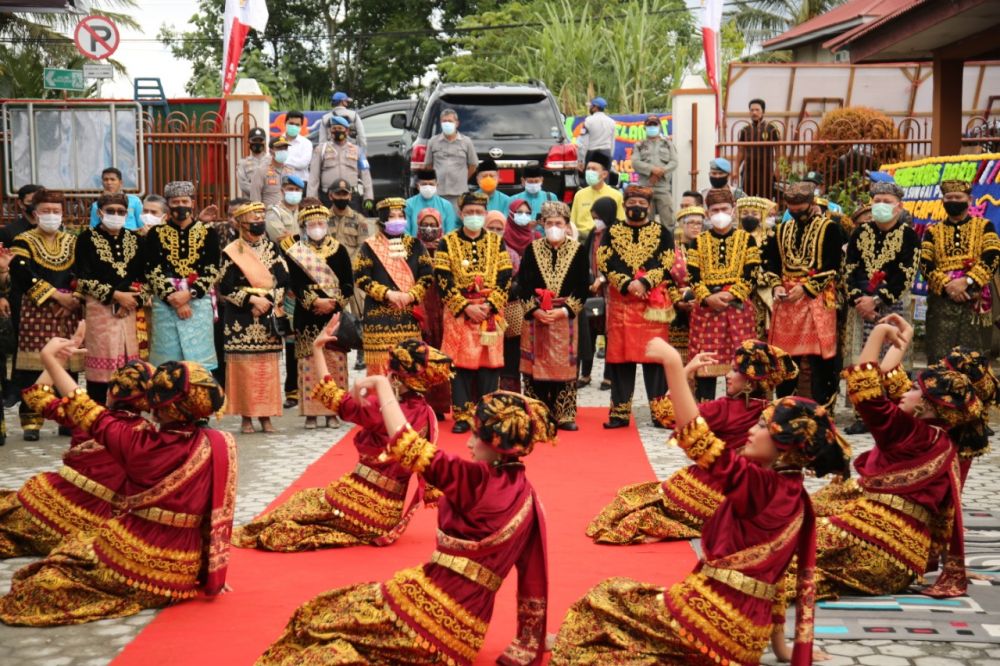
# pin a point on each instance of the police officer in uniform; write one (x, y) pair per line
(258, 157)
(655, 159)
(265, 184)
(340, 159)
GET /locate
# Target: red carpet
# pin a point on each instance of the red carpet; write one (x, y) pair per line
(574, 480)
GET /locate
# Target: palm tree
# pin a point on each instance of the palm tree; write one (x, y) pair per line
(760, 20)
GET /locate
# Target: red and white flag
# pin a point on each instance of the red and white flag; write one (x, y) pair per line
(240, 17)
(711, 33)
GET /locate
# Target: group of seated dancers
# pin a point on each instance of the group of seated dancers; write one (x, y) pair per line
(140, 515)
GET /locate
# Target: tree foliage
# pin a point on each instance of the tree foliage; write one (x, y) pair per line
(760, 20)
(631, 53)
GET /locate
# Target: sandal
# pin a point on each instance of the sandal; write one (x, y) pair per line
(266, 425)
(246, 428)
(311, 423)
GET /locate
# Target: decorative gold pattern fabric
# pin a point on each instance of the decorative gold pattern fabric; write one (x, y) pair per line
(699, 442)
(411, 450)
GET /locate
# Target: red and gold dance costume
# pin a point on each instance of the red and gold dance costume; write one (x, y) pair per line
(365, 506)
(40, 268)
(807, 253)
(489, 521)
(552, 278)
(950, 250)
(472, 271)
(77, 499)
(171, 542)
(724, 611)
(636, 252)
(878, 543)
(722, 262)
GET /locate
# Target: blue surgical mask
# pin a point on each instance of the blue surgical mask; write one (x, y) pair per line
(448, 127)
(395, 227)
(593, 177)
(474, 222)
(280, 156)
(652, 131)
(293, 198)
(522, 219)
(532, 188)
(883, 212)
(292, 131)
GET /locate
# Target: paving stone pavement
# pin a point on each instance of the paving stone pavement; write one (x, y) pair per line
(269, 463)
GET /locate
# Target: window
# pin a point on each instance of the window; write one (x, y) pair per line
(379, 124)
(500, 116)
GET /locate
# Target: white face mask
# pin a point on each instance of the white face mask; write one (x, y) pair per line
(522, 219)
(49, 221)
(555, 234)
(770, 221)
(721, 220)
(599, 224)
(428, 191)
(448, 127)
(150, 220)
(532, 188)
(316, 233)
(113, 222)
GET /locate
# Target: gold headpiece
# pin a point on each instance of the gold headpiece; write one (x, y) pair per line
(949, 186)
(755, 203)
(247, 208)
(390, 203)
(690, 210)
(306, 214)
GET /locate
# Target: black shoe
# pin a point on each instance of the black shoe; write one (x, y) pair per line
(460, 427)
(290, 402)
(605, 385)
(571, 426)
(439, 415)
(64, 431)
(3, 439)
(582, 381)
(615, 423)
(360, 364)
(31, 435)
(600, 353)
(856, 428)
(11, 401)
(659, 426)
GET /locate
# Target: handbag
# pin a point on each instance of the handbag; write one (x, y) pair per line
(513, 313)
(280, 325)
(348, 333)
(595, 307)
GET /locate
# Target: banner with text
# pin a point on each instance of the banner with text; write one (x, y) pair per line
(630, 130)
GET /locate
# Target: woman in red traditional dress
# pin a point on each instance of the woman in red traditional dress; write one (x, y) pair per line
(87, 489)
(429, 232)
(678, 507)
(366, 504)
(489, 521)
(730, 606)
(881, 541)
(172, 540)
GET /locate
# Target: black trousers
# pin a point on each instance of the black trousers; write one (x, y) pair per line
(510, 374)
(704, 388)
(468, 386)
(220, 353)
(98, 392)
(291, 371)
(559, 397)
(823, 382)
(623, 386)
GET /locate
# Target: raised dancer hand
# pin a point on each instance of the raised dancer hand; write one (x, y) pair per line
(905, 328)
(328, 333)
(660, 350)
(700, 360)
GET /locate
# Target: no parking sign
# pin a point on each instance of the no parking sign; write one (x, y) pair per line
(97, 37)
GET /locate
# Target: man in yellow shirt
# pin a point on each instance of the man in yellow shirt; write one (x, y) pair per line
(598, 167)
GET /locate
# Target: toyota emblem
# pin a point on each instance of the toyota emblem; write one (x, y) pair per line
(496, 152)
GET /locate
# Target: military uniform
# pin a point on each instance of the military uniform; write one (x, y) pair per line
(649, 154)
(265, 184)
(331, 162)
(246, 169)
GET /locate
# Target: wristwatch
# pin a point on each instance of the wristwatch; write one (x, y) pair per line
(969, 281)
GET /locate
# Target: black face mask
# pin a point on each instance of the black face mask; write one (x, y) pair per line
(749, 223)
(429, 234)
(180, 213)
(340, 204)
(955, 208)
(718, 181)
(637, 213)
(339, 136)
(256, 148)
(800, 216)
(257, 228)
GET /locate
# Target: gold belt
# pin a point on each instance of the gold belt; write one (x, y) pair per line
(171, 518)
(469, 569)
(901, 504)
(741, 582)
(380, 480)
(88, 485)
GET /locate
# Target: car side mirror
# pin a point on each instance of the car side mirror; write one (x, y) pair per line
(398, 120)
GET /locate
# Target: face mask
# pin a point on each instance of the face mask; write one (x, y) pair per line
(652, 131)
(293, 198)
(257, 228)
(955, 208)
(816, 192)
(340, 204)
(150, 220)
(429, 234)
(749, 223)
(599, 224)
(489, 184)
(256, 148)
(292, 131)
(340, 137)
(771, 221)
(428, 191)
(473, 222)
(49, 221)
(280, 156)
(448, 127)
(532, 188)
(637, 213)
(522, 219)
(555, 234)
(883, 212)
(316, 233)
(180, 213)
(718, 181)
(593, 177)
(721, 220)
(113, 222)
(395, 227)
(800, 216)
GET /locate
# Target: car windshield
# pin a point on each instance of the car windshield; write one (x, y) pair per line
(499, 116)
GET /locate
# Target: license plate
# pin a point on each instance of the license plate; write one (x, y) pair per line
(506, 176)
